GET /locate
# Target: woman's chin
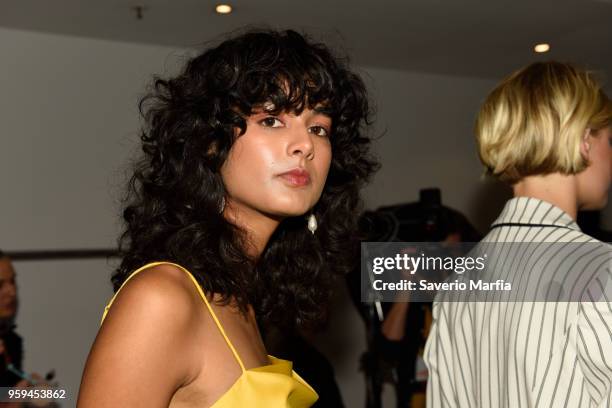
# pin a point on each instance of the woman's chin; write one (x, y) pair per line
(289, 211)
(290, 208)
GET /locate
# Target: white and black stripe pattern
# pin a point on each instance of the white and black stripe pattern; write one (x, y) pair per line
(524, 353)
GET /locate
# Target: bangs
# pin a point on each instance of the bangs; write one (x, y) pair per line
(291, 95)
(287, 72)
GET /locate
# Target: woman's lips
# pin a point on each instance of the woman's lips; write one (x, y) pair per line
(296, 177)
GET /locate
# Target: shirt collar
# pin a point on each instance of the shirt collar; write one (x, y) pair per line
(529, 210)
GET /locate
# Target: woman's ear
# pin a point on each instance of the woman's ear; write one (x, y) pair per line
(585, 144)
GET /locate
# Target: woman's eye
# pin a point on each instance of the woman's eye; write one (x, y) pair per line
(271, 121)
(319, 131)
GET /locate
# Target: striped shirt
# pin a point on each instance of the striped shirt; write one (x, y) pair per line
(527, 353)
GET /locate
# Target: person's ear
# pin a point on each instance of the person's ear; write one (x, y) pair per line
(585, 144)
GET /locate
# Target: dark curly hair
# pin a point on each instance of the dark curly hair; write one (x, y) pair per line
(174, 196)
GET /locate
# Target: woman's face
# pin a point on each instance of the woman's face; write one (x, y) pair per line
(279, 165)
(594, 181)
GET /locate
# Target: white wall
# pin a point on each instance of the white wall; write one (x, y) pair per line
(68, 124)
(69, 119)
(428, 140)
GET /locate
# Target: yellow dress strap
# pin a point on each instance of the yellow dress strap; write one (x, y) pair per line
(202, 295)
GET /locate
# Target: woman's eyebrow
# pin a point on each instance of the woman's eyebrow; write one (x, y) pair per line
(323, 110)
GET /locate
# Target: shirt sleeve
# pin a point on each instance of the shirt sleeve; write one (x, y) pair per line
(594, 343)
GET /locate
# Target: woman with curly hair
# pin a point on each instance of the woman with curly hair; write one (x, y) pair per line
(241, 211)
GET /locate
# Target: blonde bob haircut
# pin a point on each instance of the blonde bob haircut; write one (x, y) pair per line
(534, 121)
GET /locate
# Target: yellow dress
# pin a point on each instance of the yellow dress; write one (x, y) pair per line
(275, 385)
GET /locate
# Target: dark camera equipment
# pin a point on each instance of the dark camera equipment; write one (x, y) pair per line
(394, 362)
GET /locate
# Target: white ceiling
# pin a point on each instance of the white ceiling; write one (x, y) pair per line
(483, 38)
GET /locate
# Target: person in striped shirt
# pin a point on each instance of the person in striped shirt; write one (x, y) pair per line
(545, 130)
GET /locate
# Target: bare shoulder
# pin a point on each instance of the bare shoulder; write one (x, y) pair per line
(147, 340)
(158, 288)
(159, 301)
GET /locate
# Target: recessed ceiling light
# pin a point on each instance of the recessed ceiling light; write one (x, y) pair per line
(223, 8)
(542, 48)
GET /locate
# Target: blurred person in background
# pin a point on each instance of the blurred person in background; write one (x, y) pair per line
(11, 344)
(397, 333)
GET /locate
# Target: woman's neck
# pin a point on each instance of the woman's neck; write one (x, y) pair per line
(557, 189)
(257, 226)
